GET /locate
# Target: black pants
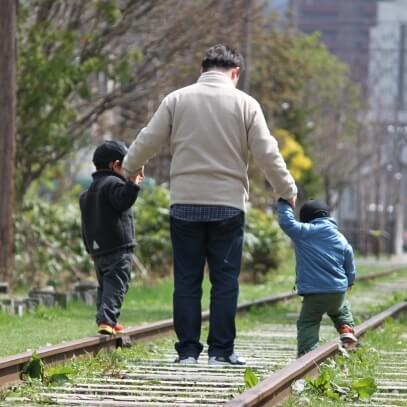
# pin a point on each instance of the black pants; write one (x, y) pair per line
(113, 272)
(219, 243)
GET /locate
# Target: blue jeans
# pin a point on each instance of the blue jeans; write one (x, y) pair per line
(220, 244)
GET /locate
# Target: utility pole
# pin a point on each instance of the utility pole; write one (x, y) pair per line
(401, 149)
(7, 133)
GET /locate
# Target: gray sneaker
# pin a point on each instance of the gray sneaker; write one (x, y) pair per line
(232, 359)
(186, 360)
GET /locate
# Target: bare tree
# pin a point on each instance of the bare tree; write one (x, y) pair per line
(7, 133)
(144, 49)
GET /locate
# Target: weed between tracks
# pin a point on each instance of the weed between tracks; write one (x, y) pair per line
(105, 364)
(351, 377)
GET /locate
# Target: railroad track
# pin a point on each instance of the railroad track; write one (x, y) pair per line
(268, 348)
(277, 386)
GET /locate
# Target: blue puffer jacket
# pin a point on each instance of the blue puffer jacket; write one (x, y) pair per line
(325, 261)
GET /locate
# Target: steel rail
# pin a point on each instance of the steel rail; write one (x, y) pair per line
(11, 366)
(274, 389)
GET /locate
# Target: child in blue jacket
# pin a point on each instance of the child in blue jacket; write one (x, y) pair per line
(325, 270)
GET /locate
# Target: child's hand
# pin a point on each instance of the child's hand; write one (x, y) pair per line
(292, 201)
(138, 178)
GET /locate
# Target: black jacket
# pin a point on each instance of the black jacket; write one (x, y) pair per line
(107, 221)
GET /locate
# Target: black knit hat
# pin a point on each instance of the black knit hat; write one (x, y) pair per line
(110, 150)
(313, 209)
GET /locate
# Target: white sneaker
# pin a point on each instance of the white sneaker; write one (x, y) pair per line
(232, 359)
(189, 360)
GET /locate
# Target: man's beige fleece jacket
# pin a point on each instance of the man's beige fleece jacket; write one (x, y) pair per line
(211, 126)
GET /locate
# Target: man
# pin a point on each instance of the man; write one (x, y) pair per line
(210, 126)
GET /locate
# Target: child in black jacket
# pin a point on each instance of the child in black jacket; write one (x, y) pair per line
(108, 230)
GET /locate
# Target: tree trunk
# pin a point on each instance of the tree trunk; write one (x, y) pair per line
(7, 133)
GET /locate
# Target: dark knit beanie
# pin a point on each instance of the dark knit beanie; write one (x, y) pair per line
(109, 151)
(313, 209)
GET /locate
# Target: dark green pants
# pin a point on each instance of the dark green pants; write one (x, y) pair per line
(314, 306)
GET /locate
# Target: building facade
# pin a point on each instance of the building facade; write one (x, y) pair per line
(371, 37)
(345, 29)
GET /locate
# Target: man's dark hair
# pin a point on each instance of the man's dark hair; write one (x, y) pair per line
(221, 56)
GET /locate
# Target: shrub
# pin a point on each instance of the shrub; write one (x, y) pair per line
(265, 243)
(264, 248)
(151, 213)
(49, 248)
(48, 244)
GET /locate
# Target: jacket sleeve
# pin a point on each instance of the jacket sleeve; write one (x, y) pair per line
(349, 265)
(267, 154)
(85, 243)
(150, 140)
(286, 219)
(121, 195)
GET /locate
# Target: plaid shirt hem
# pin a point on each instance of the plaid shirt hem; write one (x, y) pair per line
(203, 213)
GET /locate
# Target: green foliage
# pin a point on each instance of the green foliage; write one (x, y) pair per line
(48, 245)
(4, 394)
(265, 244)
(251, 378)
(364, 387)
(57, 68)
(305, 90)
(109, 10)
(59, 375)
(348, 377)
(49, 248)
(362, 360)
(106, 362)
(34, 369)
(324, 385)
(152, 230)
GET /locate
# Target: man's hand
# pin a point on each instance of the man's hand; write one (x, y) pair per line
(350, 287)
(138, 178)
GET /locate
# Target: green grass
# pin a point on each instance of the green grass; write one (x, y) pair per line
(363, 364)
(106, 362)
(145, 302)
